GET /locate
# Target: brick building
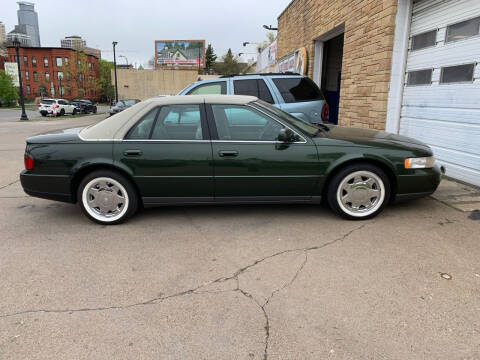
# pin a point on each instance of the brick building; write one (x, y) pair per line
(408, 66)
(57, 72)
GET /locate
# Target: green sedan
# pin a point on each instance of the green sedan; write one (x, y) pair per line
(211, 149)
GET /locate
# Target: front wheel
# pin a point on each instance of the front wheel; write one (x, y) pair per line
(359, 191)
(107, 197)
(74, 112)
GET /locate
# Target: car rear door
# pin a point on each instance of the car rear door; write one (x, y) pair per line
(251, 165)
(169, 154)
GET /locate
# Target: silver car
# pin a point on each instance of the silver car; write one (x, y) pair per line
(293, 93)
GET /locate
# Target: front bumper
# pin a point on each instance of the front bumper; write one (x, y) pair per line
(419, 183)
(51, 187)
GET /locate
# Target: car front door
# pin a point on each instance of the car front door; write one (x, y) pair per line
(170, 155)
(251, 164)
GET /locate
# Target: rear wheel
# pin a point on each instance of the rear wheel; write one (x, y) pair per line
(107, 197)
(359, 191)
(62, 112)
(74, 112)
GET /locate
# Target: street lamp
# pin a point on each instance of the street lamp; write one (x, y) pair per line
(16, 43)
(115, 71)
(269, 27)
(60, 78)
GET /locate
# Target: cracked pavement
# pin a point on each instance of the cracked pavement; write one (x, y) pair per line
(232, 282)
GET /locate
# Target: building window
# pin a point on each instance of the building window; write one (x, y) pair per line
(424, 40)
(34, 61)
(61, 90)
(463, 30)
(60, 75)
(28, 89)
(45, 62)
(67, 76)
(66, 60)
(90, 65)
(35, 76)
(78, 62)
(27, 75)
(25, 60)
(69, 91)
(47, 76)
(457, 74)
(80, 77)
(59, 61)
(420, 77)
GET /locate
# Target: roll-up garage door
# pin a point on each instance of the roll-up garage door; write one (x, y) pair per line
(441, 99)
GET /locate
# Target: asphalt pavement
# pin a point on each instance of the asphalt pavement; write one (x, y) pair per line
(232, 282)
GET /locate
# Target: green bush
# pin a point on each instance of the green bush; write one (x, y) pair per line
(8, 91)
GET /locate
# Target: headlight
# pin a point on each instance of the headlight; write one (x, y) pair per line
(419, 163)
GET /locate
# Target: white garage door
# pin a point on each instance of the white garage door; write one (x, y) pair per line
(441, 100)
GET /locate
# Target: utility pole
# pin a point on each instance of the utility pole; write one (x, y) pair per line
(115, 71)
(16, 43)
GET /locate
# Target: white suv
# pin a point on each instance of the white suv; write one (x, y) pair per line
(56, 107)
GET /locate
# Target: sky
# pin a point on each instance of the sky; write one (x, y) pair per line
(135, 24)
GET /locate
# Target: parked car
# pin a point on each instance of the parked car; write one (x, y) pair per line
(293, 93)
(56, 107)
(223, 149)
(122, 105)
(85, 106)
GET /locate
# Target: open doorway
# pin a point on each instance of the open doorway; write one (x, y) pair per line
(328, 68)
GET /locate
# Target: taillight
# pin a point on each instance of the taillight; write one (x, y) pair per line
(55, 106)
(325, 112)
(39, 105)
(28, 161)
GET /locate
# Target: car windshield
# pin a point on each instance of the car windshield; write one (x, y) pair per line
(306, 127)
(120, 103)
(130, 102)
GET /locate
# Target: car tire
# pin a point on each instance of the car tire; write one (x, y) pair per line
(44, 115)
(62, 112)
(358, 191)
(74, 112)
(94, 110)
(107, 197)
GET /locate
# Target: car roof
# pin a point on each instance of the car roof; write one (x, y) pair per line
(116, 127)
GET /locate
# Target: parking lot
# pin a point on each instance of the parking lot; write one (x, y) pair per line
(232, 282)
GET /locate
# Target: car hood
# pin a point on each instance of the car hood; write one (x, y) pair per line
(367, 137)
(58, 136)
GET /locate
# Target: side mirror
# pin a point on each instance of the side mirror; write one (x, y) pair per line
(286, 135)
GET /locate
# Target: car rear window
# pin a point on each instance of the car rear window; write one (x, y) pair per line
(47, 102)
(253, 87)
(298, 89)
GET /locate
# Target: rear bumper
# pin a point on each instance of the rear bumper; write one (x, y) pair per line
(418, 184)
(51, 187)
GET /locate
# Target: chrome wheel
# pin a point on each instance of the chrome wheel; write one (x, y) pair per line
(361, 193)
(105, 199)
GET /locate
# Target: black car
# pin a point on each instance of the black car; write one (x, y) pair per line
(84, 106)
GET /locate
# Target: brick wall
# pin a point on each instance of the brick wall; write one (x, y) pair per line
(32, 61)
(367, 54)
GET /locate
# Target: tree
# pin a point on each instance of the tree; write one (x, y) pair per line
(8, 91)
(229, 64)
(210, 58)
(105, 87)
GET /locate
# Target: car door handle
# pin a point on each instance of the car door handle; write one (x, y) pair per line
(132, 152)
(228, 153)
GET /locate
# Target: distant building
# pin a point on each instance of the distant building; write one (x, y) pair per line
(3, 37)
(76, 42)
(28, 17)
(57, 72)
(20, 33)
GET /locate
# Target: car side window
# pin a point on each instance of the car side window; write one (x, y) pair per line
(178, 122)
(215, 88)
(298, 89)
(143, 128)
(253, 87)
(236, 122)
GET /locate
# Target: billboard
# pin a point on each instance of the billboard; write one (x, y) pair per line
(266, 59)
(185, 54)
(11, 68)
